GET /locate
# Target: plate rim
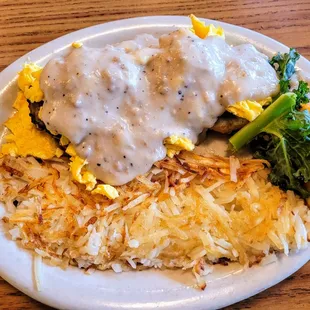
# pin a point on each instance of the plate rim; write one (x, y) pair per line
(9, 74)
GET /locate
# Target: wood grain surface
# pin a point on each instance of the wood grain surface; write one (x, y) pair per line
(27, 24)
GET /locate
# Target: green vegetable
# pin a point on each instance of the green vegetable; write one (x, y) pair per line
(284, 64)
(284, 104)
(284, 86)
(301, 93)
(281, 136)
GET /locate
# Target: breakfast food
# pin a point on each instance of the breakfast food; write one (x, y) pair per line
(98, 168)
(123, 101)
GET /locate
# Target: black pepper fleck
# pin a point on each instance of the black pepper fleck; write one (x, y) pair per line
(86, 119)
(179, 92)
(124, 156)
(98, 164)
(131, 164)
(63, 95)
(188, 112)
(89, 133)
(185, 86)
(117, 108)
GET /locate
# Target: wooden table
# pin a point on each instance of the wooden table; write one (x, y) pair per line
(27, 24)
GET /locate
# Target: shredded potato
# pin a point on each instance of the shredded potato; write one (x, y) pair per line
(191, 212)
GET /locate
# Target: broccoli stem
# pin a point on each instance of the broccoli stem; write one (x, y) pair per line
(283, 105)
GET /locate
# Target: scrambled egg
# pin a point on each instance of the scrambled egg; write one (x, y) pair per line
(84, 177)
(175, 145)
(25, 139)
(202, 30)
(77, 44)
(248, 109)
(81, 175)
(29, 82)
(78, 173)
(106, 190)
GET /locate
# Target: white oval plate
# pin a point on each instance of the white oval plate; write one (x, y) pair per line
(172, 289)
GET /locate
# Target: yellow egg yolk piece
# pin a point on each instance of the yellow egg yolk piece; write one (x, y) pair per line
(29, 82)
(24, 138)
(202, 30)
(106, 190)
(248, 109)
(175, 144)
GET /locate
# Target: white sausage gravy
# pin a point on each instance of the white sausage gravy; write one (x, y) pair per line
(118, 103)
